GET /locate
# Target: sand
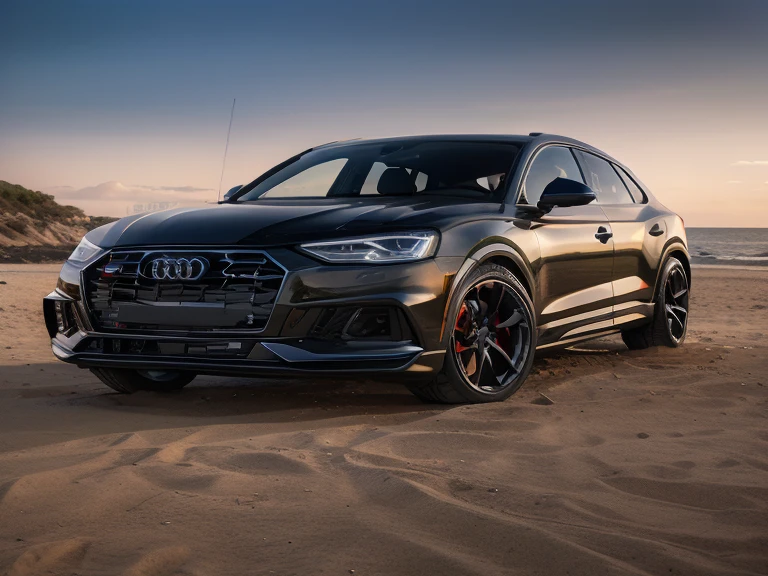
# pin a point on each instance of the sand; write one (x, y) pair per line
(649, 462)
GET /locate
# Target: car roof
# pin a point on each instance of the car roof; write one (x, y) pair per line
(534, 138)
(528, 143)
(501, 138)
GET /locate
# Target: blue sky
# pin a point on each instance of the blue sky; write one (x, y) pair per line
(138, 93)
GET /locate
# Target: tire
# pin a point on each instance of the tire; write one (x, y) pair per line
(130, 381)
(501, 370)
(668, 327)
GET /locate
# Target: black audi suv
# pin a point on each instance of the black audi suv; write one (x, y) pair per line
(447, 259)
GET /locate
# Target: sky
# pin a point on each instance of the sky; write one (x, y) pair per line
(116, 106)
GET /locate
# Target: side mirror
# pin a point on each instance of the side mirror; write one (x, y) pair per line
(563, 192)
(231, 192)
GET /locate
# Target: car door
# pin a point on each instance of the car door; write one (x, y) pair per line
(638, 230)
(573, 294)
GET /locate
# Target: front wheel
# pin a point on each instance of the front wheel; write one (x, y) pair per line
(670, 316)
(130, 381)
(492, 342)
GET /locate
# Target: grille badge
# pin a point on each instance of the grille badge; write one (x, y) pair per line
(167, 268)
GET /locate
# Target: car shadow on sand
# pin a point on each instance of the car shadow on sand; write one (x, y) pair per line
(55, 401)
(289, 398)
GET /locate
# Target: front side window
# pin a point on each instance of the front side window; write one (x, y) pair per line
(391, 168)
(604, 180)
(551, 163)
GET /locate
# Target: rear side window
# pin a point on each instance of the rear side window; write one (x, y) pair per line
(551, 163)
(604, 180)
(634, 189)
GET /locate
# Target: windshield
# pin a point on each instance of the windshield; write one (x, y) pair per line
(473, 169)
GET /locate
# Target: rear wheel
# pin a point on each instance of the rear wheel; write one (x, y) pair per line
(670, 317)
(130, 381)
(491, 347)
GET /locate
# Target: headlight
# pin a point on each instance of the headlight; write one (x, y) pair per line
(404, 247)
(85, 251)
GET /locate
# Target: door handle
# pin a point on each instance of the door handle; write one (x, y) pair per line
(603, 235)
(656, 230)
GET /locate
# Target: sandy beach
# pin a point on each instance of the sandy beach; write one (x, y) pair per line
(649, 462)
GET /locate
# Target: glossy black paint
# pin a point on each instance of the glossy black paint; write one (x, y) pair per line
(590, 269)
(286, 222)
(565, 193)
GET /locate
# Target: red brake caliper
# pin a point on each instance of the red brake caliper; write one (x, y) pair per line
(460, 326)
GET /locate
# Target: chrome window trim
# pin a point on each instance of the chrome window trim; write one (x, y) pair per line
(574, 146)
(614, 165)
(621, 169)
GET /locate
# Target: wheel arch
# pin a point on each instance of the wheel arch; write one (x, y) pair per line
(510, 258)
(497, 253)
(514, 267)
(684, 260)
(674, 249)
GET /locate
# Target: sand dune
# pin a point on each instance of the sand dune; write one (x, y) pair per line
(652, 462)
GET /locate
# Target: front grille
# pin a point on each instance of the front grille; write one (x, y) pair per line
(188, 290)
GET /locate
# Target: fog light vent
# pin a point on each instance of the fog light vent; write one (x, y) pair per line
(365, 322)
(368, 323)
(65, 319)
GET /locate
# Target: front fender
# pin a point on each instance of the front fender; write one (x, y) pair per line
(499, 249)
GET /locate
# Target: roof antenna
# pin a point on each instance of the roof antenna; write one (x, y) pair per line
(226, 148)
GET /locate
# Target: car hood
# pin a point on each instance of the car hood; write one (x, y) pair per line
(282, 222)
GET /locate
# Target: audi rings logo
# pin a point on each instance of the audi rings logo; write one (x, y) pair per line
(176, 268)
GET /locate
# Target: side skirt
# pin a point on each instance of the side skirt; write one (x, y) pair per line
(569, 341)
(595, 324)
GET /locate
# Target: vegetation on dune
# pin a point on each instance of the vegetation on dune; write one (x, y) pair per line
(18, 205)
(15, 199)
(32, 221)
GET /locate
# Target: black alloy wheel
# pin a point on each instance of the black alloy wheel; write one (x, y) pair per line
(669, 324)
(491, 336)
(490, 345)
(676, 304)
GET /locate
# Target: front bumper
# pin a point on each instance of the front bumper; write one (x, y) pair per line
(417, 292)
